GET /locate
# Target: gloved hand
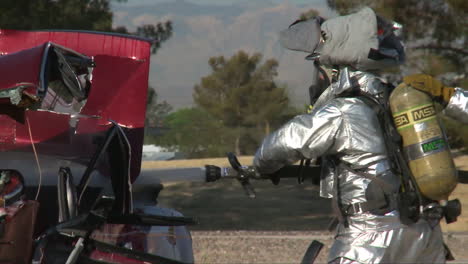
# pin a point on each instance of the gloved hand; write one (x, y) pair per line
(251, 172)
(430, 85)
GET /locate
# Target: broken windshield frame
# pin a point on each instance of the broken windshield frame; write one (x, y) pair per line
(67, 76)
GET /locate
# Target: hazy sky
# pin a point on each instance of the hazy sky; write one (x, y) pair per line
(207, 28)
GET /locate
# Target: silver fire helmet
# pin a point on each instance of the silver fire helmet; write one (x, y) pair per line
(362, 40)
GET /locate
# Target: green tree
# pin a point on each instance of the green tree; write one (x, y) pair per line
(156, 111)
(61, 14)
(159, 33)
(196, 133)
(242, 94)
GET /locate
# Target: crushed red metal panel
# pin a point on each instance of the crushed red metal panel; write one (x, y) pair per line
(7, 131)
(118, 92)
(89, 43)
(45, 127)
(123, 100)
(21, 68)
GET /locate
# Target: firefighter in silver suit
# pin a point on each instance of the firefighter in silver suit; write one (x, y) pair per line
(344, 130)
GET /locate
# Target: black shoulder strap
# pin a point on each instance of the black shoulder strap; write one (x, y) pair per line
(386, 187)
(393, 143)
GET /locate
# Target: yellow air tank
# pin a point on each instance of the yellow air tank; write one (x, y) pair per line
(424, 142)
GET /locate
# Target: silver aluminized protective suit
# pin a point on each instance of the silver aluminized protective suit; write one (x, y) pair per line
(345, 131)
(457, 107)
(348, 129)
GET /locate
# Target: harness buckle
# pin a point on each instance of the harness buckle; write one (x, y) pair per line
(356, 208)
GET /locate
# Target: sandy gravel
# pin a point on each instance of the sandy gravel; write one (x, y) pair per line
(281, 247)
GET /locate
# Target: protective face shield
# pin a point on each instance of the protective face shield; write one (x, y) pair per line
(362, 41)
(302, 35)
(305, 35)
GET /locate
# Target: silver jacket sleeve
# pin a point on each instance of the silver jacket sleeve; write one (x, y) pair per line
(305, 136)
(457, 107)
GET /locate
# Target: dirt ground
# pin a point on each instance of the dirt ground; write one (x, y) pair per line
(281, 247)
(277, 226)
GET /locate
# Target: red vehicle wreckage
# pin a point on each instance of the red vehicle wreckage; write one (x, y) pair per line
(72, 114)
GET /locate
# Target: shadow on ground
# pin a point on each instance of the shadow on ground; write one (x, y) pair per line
(225, 206)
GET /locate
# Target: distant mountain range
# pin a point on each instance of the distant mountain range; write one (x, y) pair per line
(205, 30)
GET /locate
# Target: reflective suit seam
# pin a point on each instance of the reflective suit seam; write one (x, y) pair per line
(344, 124)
